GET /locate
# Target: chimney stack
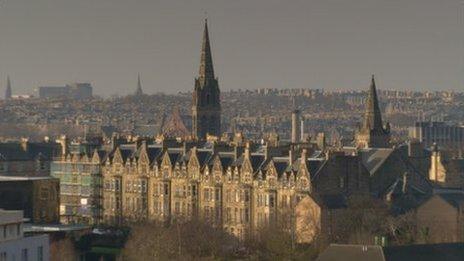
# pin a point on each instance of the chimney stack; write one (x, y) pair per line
(295, 121)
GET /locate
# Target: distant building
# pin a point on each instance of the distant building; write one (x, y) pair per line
(14, 245)
(206, 111)
(138, 91)
(372, 133)
(8, 92)
(74, 90)
(445, 135)
(38, 197)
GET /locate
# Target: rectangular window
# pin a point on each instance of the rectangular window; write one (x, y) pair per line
(24, 255)
(194, 190)
(247, 195)
(247, 215)
(217, 195)
(271, 201)
(166, 189)
(40, 253)
(144, 186)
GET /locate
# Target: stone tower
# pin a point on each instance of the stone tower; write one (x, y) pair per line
(206, 109)
(139, 91)
(8, 88)
(372, 134)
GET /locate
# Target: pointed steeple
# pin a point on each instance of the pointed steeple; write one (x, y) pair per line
(372, 116)
(139, 90)
(206, 72)
(8, 92)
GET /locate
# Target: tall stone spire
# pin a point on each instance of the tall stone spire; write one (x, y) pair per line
(372, 115)
(206, 104)
(8, 88)
(139, 90)
(206, 72)
(372, 133)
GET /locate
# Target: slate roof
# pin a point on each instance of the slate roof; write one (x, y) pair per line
(373, 158)
(336, 252)
(430, 252)
(455, 199)
(426, 252)
(14, 151)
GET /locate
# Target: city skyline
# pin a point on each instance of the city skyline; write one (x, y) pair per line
(330, 45)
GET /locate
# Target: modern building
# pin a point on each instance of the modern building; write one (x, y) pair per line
(206, 109)
(37, 197)
(445, 135)
(79, 172)
(14, 245)
(372, 133)
(73, 90)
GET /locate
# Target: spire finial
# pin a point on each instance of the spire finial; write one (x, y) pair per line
(206, 63)
(8, 91)
(139, 90)
(372, 117)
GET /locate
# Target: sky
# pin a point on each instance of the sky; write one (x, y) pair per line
(330, 44)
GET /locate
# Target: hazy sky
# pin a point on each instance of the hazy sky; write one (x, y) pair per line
(332, 44)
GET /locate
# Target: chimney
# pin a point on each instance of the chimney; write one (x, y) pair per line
(63, 141)
(266, 151)
(295, 120)
(237, 151)
(302, 130)
(247, 150)
(303, 155)
(24, 143)
(291, 154)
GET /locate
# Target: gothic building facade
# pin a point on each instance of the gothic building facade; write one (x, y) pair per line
(206, 109)
(236, 191)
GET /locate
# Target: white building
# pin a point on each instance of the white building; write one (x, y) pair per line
(14, 245)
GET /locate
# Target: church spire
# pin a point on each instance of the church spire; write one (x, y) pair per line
(139, 90)
(206, 63)
(372, 116)
(8, 92)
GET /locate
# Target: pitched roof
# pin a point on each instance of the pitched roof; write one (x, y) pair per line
(373, 158)
(337, 252)
(429, 252)
(15, 152)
